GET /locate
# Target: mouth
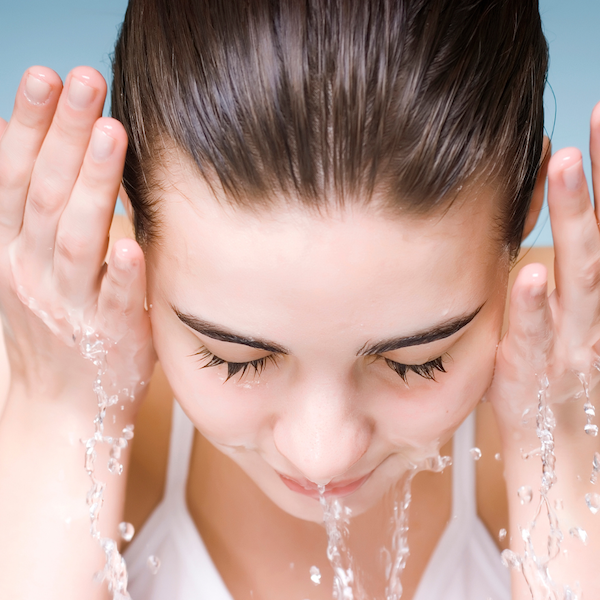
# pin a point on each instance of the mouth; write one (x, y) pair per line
(333, 490)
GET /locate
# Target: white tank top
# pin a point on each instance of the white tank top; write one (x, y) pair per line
(464, 566)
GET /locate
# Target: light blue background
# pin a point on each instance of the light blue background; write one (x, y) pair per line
(65, 33)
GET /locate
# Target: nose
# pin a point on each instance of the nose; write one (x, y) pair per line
(322, 434)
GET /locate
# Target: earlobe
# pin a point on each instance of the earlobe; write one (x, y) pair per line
(537, 199)
(126, 203)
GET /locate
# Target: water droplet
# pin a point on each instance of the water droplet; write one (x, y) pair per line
(591, 429)
(113, 465)
(559, 504)
(593, 502)
(497, 456)
(98, 577)
(115, 452)
(153, 563)
(475, 453)
(589, 409)
(437, 463)
(525, 494)
(596, 461)
(291, 565)
(502, 534)
(579, 533)
(128, 432)
(127, 531)
(315, 575)
(511, 559)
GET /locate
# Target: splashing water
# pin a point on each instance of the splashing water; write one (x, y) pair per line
(153, 563)
(400, 549)
(127, 531)
(525, 494)
(534, 567)
(475, 453)
(588, 408)
(595, 468)
(115, 571)
(337, 518)
(315, 575)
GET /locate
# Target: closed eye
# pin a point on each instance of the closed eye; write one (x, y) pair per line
(426, 370)
(233, 367)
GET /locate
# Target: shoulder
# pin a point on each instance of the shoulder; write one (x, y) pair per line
(492, 502)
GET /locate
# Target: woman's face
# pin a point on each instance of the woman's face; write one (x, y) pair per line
(322, 308)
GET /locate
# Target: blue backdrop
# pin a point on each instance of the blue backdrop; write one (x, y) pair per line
(65, 33)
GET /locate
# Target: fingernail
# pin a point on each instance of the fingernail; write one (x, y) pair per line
(573, 176)
(537, 288)
(122, 260)
(36, 90)
(102, 145)
(80, 95)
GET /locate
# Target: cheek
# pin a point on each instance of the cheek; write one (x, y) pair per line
(228, 413)
(430, 414)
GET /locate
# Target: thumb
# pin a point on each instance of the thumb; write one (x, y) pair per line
(530, 335)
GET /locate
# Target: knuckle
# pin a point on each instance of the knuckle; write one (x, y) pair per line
(588, 277)
(14, 174)
(70, 245)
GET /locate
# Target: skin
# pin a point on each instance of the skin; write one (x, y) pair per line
(320, 287)
(322, 414)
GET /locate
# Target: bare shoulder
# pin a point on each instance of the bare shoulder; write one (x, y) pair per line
(491, 489)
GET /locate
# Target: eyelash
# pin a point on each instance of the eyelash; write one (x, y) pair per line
(234, 368)
(426, 370)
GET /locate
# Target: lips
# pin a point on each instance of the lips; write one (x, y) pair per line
(334, 490)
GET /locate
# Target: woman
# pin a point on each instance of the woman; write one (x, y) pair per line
(327, 199)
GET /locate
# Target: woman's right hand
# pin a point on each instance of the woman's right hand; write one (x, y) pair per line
(61, 164)
(60, 169)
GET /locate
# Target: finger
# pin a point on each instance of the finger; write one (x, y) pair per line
(595, 154)
(82, 233)
(576, 243)
(121, 302)
(21, 141)
(60, 159)
(530, 331)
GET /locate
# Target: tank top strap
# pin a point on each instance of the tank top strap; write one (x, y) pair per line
(464, 499)
(180, 450)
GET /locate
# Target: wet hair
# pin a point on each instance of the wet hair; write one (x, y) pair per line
(334, 101)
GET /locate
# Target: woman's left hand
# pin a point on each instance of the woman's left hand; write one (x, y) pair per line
(553, 344)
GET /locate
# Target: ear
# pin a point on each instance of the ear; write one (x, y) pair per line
(537, 200)
(126, 203)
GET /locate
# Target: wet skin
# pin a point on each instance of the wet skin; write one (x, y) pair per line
(322, 289)
(319, 289)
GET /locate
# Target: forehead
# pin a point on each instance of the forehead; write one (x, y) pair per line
(355, 267)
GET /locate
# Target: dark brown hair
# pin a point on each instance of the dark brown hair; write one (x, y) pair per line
(324, 101)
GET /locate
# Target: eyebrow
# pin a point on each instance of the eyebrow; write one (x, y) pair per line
(438, 332)
(216, 332)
